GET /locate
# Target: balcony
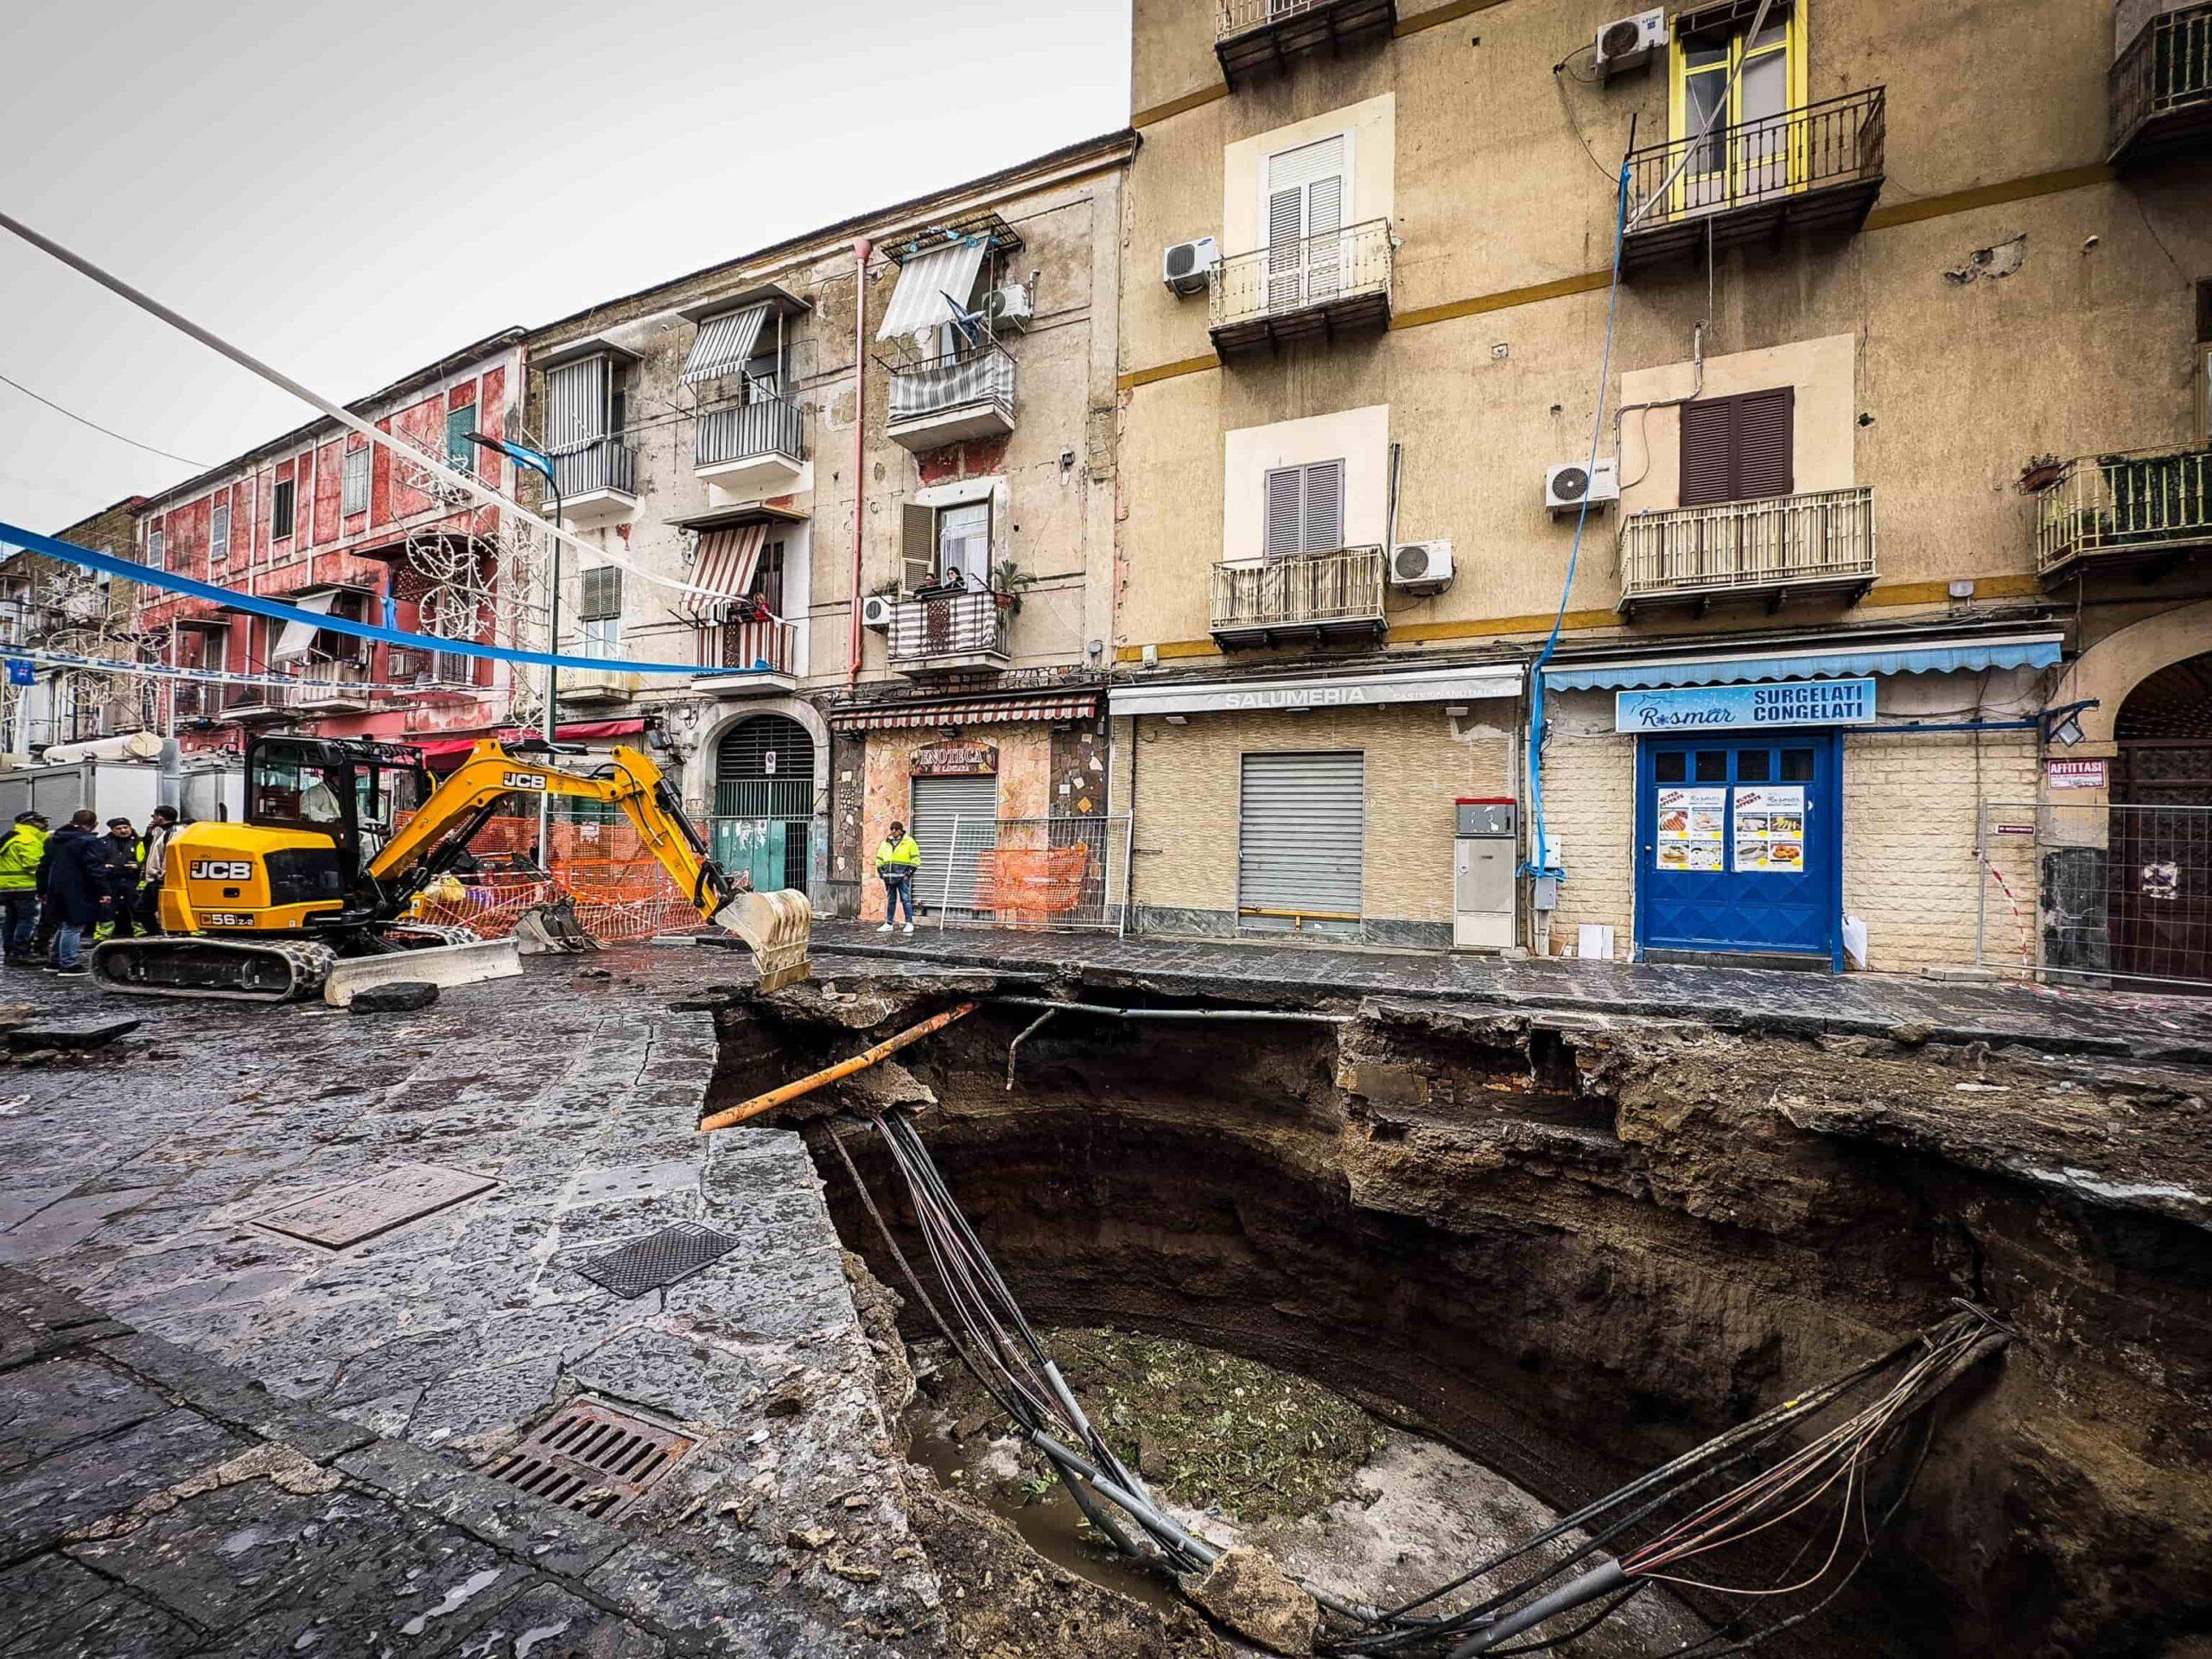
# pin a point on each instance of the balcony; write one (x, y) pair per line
(1791, 547)
(334, 688)
(206, 702)
(2137, 510)
(942, 400)
(2162, 88)
(598, 685)
(1817, 167)
(1335, 283)
(331, 571)
(1256, 38)
(947, 633)
(748, 656)
(598, 481)
(754, 449)
(1313, 599)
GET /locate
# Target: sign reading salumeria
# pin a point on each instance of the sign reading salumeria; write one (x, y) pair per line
(1722, 707)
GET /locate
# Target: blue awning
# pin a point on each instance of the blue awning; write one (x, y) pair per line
(1935, 657)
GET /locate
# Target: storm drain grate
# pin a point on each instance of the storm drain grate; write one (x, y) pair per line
(362, 1210)
(591, 1457)
(658, 1260)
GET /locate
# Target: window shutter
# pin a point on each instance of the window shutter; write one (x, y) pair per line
(603, 594)
(1285, 533)
(1325, 506)
(1324, 205)
(460, 454)
(1765, 424)
(1708, 471)
(917, 547)
(1286, 221)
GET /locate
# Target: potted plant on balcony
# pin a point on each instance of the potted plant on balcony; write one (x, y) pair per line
(1007, 582)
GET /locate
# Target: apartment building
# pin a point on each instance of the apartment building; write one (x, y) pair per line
(1893, 534)
(323, 519)
(60, 608)
(867, 474)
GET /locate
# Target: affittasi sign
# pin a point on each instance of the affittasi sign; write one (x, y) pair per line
(1733, 707)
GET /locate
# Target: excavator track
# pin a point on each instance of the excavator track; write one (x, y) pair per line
(231, 970)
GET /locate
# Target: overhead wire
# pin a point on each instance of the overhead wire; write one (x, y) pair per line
(104, 431)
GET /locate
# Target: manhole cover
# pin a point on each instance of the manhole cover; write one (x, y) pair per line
(658, 1259)
(346, 1215)
(591, 1457)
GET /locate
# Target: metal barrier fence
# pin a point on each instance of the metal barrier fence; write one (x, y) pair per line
(1059, 874)
(2096, 895)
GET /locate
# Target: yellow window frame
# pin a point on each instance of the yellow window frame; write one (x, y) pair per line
(1795, 98)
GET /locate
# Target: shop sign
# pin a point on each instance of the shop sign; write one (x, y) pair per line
(2074, 774)
(953, 761)
(1724, 707)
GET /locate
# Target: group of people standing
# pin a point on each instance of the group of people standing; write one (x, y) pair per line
(58, 885)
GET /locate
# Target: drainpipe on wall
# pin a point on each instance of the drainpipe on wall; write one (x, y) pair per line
(861, 248)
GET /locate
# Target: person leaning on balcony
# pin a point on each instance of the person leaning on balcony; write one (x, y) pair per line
(896, 861)
(21, 848)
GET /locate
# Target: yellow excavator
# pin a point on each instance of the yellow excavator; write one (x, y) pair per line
(322, 888)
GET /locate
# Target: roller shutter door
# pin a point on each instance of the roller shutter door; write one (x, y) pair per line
(1301, 841)
(937, 801)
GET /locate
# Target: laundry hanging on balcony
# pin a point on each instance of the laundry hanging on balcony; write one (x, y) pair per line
(934, 289)
(725, 343)
(727, 558)
(298, 637)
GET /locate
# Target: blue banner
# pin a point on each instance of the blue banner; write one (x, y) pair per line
(19, 671)
(1732, 708)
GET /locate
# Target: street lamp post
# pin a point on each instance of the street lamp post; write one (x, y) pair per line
(541, 463)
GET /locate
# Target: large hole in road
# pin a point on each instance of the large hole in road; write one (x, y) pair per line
(1572, 1254)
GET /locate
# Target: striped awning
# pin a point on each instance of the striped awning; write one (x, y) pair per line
(725, 343)
(933, 288)
(1970, 655)
(992, 711)
(728, 557)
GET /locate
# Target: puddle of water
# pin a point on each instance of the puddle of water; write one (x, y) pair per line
(1049, 1525)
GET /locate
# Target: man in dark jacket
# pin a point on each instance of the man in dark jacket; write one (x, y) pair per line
(73, 879)
(125, 854)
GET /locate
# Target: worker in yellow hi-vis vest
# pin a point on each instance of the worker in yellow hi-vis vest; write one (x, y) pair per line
(897, 860)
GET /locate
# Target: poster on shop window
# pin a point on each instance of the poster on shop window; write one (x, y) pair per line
(1769, 829)
(1693, 828)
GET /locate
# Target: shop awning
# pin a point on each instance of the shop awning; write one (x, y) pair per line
(451, 749)
(298, 637)
(995, 711)
(724, 343)
(1928, 657)
(1375, 691)
(933, 288)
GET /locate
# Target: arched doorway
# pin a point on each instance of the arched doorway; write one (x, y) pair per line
(764, 800)
(2161, 839)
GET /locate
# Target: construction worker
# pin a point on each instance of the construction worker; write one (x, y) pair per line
(20, 850)
(896, 861)
(160, 828)
(72, 880)
(126, 855)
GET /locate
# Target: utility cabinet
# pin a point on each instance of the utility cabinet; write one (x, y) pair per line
(1485, 852)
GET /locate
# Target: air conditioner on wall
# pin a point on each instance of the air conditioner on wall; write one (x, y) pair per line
(1572, 482)
(1421, 567)
(875, 613)
(1010, 308)
(1627, 43)
(1185, 266)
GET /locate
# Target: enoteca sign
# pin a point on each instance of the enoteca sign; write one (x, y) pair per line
(1732, 708)
(953, 761)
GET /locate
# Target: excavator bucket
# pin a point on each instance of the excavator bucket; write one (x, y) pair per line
(551, 929)
(778, 926)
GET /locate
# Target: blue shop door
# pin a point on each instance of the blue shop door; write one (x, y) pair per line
(755, 846)
(1739, 844)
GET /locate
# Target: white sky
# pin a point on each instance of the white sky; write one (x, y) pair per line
(350, 191)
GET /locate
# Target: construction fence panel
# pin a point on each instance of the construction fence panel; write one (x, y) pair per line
(2095, 894)
(621, 892)
(1058, 875)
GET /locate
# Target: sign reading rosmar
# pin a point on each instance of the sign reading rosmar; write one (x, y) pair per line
(1724, 707)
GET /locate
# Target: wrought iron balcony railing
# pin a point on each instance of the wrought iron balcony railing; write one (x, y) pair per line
(978, 375)
(1823, 541)
(2125, 507)
(1820, 164)
(2162, 86)
(972, 624)
(601, 464)
(766, 426)
(1314, 595)
(1323, 284)
(741, 647)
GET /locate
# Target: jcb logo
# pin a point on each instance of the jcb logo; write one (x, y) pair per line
(220, 869)
(524, 780)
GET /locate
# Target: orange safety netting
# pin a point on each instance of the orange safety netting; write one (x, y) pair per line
(620, 890)
(1031, 883)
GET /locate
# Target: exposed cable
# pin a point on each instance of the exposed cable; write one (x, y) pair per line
(106, 432)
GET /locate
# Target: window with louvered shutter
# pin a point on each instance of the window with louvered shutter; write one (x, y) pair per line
(603, 594)
(356, 481)
(1286, 527)
(1739, 448)
(218, 535)
(1305, 509)
(1325, 506)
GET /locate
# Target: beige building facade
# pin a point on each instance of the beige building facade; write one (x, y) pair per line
(873, 469)
(1899, 404)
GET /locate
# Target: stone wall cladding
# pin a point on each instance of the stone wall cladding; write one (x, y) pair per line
(1188, 777)
(1910, 807)
(1590, 812)
(1078, 776)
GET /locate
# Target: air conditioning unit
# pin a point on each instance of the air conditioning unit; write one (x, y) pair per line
(1627, 43)
(1186, 266)
(1010, 308)
(1571, 483)
(1421, 567)
(875, 613)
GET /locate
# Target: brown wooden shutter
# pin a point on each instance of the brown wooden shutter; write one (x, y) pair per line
(1766, 440)
(1708, 450)
(917, 547)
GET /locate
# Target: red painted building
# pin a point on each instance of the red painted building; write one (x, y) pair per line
(324, 519)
